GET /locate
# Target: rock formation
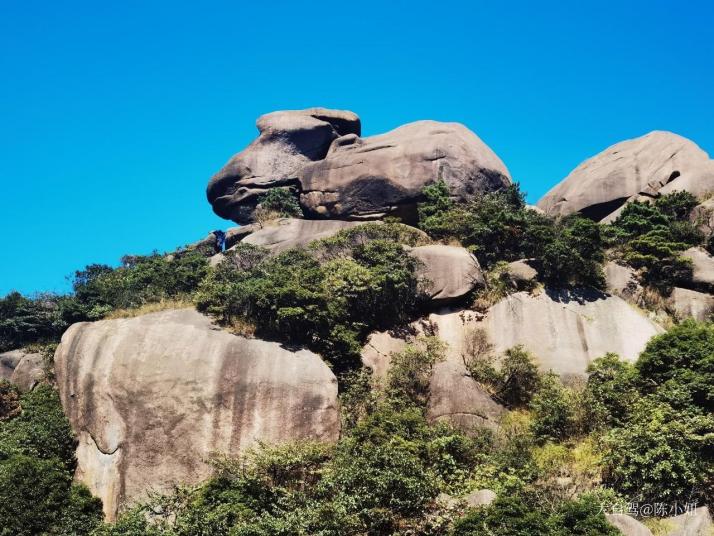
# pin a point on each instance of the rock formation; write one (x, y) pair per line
(319, 155)
(24, 369)
(450, 272)
(654, 164)
(152, 397)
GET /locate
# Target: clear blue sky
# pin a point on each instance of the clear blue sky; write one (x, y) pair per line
(113, 115)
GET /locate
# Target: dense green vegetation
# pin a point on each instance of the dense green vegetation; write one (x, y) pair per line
(36, 468)
(642, 432)
(500, 227)
(328, 298)
(651, 236)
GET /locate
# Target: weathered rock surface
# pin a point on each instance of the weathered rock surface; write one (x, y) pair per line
(522, 273)
(288, 140)
(622, 281)
(286, 233)
(695, 523)
(627, 525)
(686, 303)
(152, 397)
(450, 272)
(481, 497)
(702, 268)
(703, 217)
(24, 369)
(566, 331)
(454, 396)
(385, 174)
(657, 163)
(319, 155)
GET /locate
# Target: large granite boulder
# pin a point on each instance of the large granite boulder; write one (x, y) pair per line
(702, 267)
(697, 522)
(288, 140)
(657, 163)
(385, 174)
(319, 155)
(686, 303)
(703, 217)
(448, 272)
(567, 330)
(286, 233)
(454, 396)
(24, 369)
(151, 398)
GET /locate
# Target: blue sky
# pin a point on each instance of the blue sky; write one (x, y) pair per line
(113, 117)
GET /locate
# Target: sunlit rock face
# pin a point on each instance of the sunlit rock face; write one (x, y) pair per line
(151, 398)
(655, 164)
(318, 154)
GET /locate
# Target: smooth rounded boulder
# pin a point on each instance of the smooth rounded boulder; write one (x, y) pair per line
(657, 163)
(22, 368)
(319, 156)
(385, 174)
(151, 398)
(448, 272)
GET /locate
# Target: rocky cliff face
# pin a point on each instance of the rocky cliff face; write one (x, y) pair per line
(319, 155)
(152, 397)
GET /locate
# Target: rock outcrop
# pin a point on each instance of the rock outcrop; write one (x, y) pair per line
(566, 331)
(622, 281)
(24, 369)
(628, 525)
(654, 164)
(319, 155)
(702, 268)
(449, 272)
(285, 233)
(685, 303)
(698, 522)
(152, 397)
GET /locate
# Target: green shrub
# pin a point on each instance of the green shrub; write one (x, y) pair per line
(329, 306)
(281, 201)
(511, 380)
(661, 454)
(36, 469)
(512, 516)
(610, 391)
(681, 359)
(25, 320)
(554, 410)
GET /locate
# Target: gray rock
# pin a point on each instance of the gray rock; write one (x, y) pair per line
(698, 522)
(385, 174)
(522, 273)
(8, 363)
(566, 331)
(236, 234)
(622, 281)
(450, 272)
(336, 174)
(482, 497)
(24, 369)
(702, 268)
(685, 303)
(703, 217)
(151, 398)
(288, 141)
(627, 525)
(207, 247)
(287, 233)
(657, 163)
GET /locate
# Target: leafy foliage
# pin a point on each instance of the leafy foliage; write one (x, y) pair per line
(36, 469)
(280, 201)
(330, 306)
(499, 227)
